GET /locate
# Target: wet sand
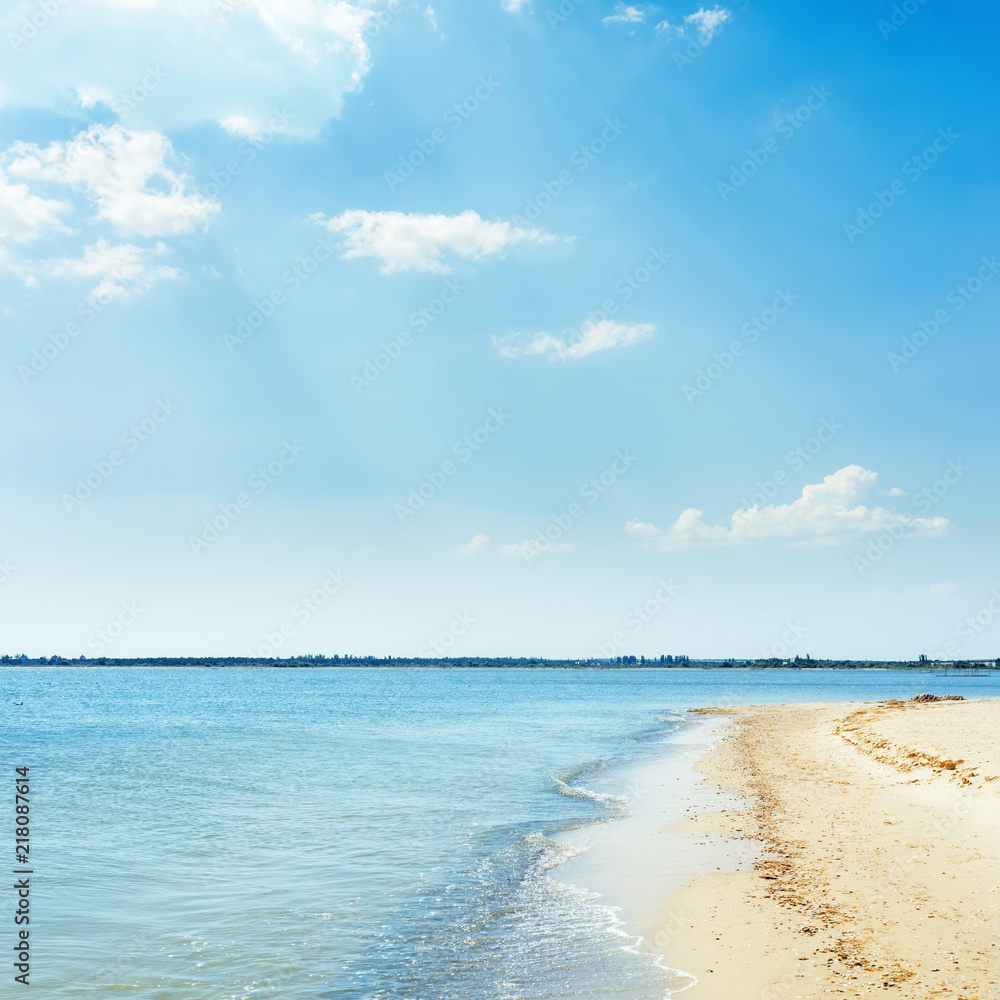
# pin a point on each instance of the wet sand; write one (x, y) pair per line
(878, 864)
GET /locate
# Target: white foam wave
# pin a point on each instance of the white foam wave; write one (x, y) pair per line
(548, 853)
(619, 802)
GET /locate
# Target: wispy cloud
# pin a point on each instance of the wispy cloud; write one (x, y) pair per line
(24, 216)
(475, 546)
(121, 269)
(418, 242)
(933, 591)
(708, 22)
(602, 336)
(827, 513)
(627, 15)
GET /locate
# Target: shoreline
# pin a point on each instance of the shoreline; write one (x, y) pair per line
(623, 859)
(877, 826)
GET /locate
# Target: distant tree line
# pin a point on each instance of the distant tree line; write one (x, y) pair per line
(348, 660)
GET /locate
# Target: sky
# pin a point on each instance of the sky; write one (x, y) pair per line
(502, 328)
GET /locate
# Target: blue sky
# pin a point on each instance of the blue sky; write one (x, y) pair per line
(499, 328)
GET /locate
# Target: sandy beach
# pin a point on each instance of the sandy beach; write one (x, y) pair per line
(878, 829)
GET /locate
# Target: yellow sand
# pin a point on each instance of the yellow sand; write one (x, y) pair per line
(880, 867)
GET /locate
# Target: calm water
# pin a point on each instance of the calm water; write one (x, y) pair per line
(349, 834)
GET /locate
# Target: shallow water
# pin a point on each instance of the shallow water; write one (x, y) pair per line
(348, 834)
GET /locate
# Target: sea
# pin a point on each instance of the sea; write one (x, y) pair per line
(350, 834)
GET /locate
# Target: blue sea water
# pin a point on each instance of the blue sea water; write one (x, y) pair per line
(346, 834)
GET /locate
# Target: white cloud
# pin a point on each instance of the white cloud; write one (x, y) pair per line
(934, 591)
(601, 336)
(25, 216)
(708, 22)
(514, 6)
(475, 546)
(826, 513)
(625, 15)
(417, 242)
(894, 491)
(124, 173)
(664, 26)
(122, 269)
(430, 17)
(115, 178)
(189, 61)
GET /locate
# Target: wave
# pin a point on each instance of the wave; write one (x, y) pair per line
(616, 802)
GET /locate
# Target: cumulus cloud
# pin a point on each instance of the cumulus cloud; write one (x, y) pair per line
(894, 491)
(601, 336)
(416, 242)
(708, 22)
(826, 513)
(167, 64)
(475, 546)
(124, 173)
(113, 179)
(625, 15)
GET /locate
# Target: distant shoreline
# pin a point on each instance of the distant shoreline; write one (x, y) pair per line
(967, 668)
